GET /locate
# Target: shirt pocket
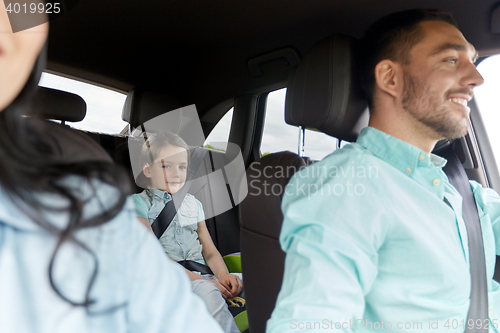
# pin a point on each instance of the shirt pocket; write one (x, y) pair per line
(188, 218)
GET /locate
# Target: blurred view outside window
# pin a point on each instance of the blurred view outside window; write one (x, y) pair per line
(279, 136)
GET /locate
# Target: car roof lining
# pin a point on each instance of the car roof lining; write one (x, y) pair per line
(200, 50)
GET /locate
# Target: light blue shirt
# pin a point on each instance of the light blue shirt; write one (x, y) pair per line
(375, 241)
(180, 239)
(133, 270)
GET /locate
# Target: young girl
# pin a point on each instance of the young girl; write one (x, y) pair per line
(164, 160)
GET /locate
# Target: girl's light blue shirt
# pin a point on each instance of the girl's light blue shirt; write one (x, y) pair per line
(180, 239)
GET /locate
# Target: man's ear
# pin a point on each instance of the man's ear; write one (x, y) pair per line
(387, 77)
(146, 169)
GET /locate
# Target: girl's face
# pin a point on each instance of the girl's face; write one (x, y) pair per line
(169, 170)
(18, 53)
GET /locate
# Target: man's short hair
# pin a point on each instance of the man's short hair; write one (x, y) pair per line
(392, 37)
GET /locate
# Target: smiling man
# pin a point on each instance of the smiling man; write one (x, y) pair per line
(395, 255)
(423, 97)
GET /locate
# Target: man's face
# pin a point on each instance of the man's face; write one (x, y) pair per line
(439, 81)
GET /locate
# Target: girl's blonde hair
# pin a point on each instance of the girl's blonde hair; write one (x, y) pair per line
(152, 145)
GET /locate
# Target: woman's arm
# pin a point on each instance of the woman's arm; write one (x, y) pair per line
(167, 288)
(214, 260)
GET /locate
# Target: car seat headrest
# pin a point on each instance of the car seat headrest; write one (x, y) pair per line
(59, 105)
(324, 91)
(143, 104)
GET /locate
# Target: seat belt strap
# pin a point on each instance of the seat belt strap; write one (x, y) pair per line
(479, 288)
(194, 266)
(166, 216)
(163, 220)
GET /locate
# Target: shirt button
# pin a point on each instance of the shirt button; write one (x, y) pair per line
(421, 157)
(180, 243)
(408, 171)
(178, 230)
(436, 182)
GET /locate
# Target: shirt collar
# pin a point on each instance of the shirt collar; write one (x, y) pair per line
(159, 193)
(400, 154)
(415, 163)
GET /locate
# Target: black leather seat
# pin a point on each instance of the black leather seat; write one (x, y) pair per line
(323, 93)
(143, 104)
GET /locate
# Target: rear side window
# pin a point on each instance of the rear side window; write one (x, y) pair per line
(104, 106)
(218, 138)
(279, 136)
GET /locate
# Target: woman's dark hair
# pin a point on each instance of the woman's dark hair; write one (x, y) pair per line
(32, 164)
(392, 37)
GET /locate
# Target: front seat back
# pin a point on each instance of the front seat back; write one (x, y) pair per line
(323, 93)
(260, 217)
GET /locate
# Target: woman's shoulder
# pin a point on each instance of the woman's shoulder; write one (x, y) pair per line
(113, 236)
(96, 196)
(101, 197)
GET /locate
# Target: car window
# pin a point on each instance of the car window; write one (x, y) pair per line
(104, 106)
(279, 136)
(218, 138)
(486, 99)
